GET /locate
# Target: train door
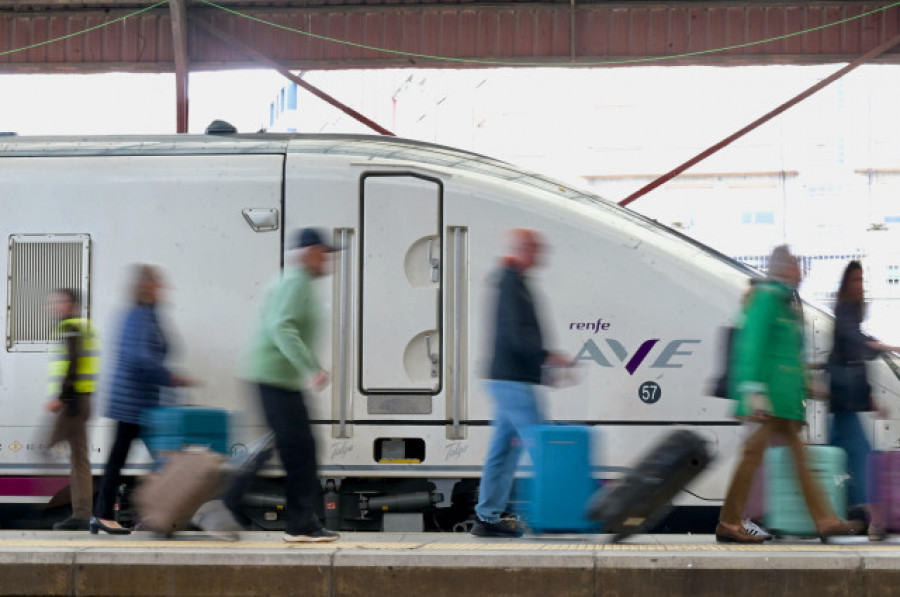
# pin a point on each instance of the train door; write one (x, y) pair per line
(400, 356)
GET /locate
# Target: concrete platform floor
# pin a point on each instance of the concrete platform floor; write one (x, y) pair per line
(433, 564)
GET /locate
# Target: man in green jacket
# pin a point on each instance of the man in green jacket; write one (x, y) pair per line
(769, 382)
(281, 360)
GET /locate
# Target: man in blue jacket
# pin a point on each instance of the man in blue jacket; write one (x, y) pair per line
(515, 373)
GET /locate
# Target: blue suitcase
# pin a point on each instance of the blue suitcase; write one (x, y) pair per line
(174, 427)
(786, 511)
(562, 483)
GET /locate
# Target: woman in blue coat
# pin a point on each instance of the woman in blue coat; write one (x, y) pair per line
(140, 372)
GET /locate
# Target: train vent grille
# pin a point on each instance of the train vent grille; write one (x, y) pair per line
(38, 264)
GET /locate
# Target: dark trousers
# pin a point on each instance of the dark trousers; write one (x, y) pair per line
(106, 495)
(285, 412)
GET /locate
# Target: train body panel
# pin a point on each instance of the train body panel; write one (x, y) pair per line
(407, 311)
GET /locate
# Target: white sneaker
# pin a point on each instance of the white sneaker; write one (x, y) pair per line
(756, 530)
(320, 535)
(215, 519)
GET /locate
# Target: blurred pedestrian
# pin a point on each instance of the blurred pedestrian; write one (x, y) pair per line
(769, 381)
(280, 362)
(140, 372)
(753, 510)
(850, 389)
(518, 357)
(73, 374)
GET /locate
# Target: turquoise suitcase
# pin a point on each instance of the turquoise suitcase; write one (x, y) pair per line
(562, 484)
(786, 511)
(169, 428)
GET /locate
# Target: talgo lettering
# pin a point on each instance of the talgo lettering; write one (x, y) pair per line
(666, 359)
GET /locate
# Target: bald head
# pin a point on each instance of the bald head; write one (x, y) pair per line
(524, 247)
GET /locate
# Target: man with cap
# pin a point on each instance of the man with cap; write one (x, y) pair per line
(280, 362)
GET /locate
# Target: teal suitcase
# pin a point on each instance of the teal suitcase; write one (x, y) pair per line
(169, 428)
(786, 511)
(562, 483)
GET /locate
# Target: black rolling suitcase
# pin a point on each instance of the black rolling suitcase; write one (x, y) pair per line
(643, 498)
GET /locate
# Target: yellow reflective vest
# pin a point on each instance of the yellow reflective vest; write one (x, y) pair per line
(87, 363)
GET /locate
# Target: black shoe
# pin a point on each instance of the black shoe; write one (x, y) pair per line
(72, 524)
(96, 525)
(506, 527)
(320, 535)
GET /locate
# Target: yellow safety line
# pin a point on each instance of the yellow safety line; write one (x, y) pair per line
(480, 546)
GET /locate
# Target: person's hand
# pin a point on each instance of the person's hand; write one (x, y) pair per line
(557, 359)
(182, 381)
(760, 407)
(320, 380)
(55, 406)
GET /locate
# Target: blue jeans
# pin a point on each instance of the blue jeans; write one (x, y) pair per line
(847, 433)
(516, 408)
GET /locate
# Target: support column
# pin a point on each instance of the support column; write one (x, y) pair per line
(178, 14)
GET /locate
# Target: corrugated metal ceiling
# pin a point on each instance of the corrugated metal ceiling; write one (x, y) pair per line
(440, 33)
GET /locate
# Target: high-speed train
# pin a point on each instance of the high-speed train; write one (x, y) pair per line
(404, 425)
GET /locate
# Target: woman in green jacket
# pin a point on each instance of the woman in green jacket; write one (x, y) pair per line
(769, 382)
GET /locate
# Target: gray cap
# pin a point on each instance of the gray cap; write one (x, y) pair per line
(780, 259)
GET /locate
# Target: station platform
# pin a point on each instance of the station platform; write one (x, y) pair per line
(434, 564)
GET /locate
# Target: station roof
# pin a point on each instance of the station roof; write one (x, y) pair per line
(143, 36)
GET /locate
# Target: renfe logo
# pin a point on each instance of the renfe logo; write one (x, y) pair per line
(591, 352)
(596, 326)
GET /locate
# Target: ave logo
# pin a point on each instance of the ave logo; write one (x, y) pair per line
(668, 357)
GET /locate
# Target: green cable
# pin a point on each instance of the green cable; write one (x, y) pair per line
(507, 63)
(88, 30)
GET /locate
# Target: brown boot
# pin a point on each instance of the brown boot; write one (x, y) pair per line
(840, 528)
(726, 534)
(877, 533)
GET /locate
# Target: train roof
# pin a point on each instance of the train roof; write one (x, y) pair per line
(380, 150)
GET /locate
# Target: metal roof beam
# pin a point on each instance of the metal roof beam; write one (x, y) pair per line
(868, 56)
(178, 13)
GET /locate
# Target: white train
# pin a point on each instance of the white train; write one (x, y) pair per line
(638, 304)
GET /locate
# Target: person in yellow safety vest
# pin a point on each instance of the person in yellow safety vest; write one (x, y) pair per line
(73, 370)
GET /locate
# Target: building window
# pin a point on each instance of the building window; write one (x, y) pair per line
(764, 217)
(893, 276)
(292, 96)
(38, 264)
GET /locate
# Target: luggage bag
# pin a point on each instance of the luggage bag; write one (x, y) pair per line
(166, 500)
(643, 498)
(562, 483)
(786, 511)
(174, 427)
(883, 488)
